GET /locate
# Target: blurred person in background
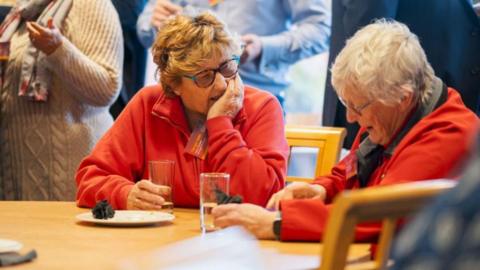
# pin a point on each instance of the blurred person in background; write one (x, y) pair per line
(276, 34)
(60, 71)
(445, 235)
(135, 56)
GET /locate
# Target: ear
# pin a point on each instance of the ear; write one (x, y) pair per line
(408, 98)
(174, 88)
(177, 85)
(176, 91)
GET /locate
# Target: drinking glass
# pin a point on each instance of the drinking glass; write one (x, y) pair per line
(211, 185)
(162, 173)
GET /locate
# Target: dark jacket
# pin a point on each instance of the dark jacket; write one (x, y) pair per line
(135, 58)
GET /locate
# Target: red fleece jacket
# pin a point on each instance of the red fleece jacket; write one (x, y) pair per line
(251, 148)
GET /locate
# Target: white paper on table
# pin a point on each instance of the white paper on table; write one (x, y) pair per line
(229, 249)
(280, 261)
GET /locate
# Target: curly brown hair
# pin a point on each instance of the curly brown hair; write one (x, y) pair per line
(185, 42)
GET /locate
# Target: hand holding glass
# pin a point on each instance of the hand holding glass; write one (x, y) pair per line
(162, 174)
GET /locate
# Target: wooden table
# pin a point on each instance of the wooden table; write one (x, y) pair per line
(62, 242)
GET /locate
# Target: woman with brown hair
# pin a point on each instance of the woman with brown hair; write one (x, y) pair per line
(201, 116)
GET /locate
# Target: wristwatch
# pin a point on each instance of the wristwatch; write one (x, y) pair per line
(277, 225)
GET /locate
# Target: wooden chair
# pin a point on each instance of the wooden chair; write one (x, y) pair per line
(7, 2)
(386, 204)
(328, 140)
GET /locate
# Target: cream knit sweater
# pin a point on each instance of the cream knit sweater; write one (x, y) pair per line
(41, 144)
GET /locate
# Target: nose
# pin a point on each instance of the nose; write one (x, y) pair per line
(352, 117)
(220, 82)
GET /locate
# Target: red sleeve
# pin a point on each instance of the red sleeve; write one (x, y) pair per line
(110, 171)
(256, 161)
(336, 182)
(305, 220)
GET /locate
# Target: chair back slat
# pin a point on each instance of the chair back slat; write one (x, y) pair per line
(328, 141)
(384, 203)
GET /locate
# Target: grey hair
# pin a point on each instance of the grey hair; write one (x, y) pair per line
(383, 60)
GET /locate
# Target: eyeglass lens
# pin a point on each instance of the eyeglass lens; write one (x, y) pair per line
(227, 69)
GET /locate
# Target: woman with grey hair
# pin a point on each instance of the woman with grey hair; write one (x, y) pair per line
(413, 128)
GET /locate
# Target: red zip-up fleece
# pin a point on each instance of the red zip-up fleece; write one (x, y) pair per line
(430, 150)
(251, 148)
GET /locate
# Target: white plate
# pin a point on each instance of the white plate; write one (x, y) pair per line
(9, 246)
(129, 218)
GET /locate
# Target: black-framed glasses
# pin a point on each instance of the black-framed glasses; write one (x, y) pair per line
(205, 78)
(358, 110)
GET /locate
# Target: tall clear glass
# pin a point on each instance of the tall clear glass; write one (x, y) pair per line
(211, 184)
(162, 173)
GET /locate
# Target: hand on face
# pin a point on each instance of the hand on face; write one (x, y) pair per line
(297, 190)
(146, 195)
(162, 11)
(46, 39)
(253, 48)
(254, 218)
(230, 102)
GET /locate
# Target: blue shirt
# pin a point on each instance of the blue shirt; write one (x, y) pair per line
(290, 30)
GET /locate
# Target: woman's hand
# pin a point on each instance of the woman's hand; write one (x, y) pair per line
(46, 39)
(231, 102)
(254, 218)
(145, 195)
(297, 190)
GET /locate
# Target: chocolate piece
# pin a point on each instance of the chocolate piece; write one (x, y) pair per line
(235, 199)
(223, 198)
(103, 210)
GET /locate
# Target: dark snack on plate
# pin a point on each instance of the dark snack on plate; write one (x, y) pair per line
(223, 198)
(103, 210)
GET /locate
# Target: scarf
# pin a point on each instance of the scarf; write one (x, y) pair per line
(370, 155)
(35, 79)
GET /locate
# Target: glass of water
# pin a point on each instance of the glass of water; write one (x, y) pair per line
(211, 185)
